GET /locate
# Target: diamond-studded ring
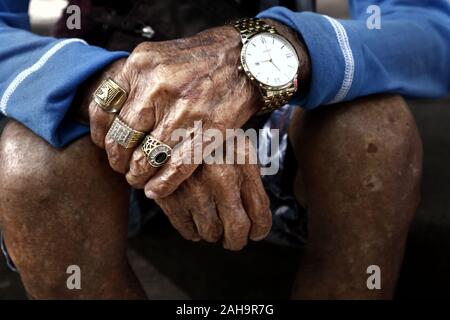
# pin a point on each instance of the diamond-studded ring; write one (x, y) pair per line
(124, 135)
(157, 152)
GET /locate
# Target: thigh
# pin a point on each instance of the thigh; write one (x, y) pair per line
(360, 168)
(62, 207)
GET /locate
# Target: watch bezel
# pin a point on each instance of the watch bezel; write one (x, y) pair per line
(252, 76)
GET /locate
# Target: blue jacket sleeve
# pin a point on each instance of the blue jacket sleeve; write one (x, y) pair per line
(39, 76)
(409, 54)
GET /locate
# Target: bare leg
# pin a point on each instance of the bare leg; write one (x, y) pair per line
(60, 208)
(360, 168)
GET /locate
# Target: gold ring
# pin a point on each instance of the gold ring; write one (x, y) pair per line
(157, 152)
(124, 135)
(110, 96)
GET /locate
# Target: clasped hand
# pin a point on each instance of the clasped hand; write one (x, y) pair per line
(172, 85)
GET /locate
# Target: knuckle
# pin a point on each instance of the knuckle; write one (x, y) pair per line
(212, 233)
(116, 167)
(217, 233)
(242, 226)
(138, 173)
(197, 114)
(135, 181)
(239, 226)
(97, 139)
(114, 158)
(165, 185)
(139, 164)
(143, 47)
(139, 56)
(211, 238)
(180, 170)
(145, 112)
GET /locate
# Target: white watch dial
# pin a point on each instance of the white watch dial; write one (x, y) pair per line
(270, 59)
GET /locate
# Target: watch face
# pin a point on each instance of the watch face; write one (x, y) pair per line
(270, 59)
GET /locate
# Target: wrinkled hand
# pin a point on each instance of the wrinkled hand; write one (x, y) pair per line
(220, 201)
(172, 84)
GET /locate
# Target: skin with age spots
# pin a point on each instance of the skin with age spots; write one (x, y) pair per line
(359, 176)
(79, 205)
(221, 200)
(360, 200)
(76, 206)
(64, 207)
(171, 85)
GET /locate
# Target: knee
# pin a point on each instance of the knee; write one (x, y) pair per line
(30, 167)
(24, 161)
(376, 130)
(37, 178)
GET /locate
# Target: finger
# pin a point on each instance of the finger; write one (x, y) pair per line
(99, 119)
(166, 179)
(177, 169)
(236, 223)
(204, 212)
(136, 115)
(99, 122)
(140, 170)
(180, 217)
(256, 203)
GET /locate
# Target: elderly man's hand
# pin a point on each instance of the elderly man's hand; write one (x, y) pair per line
(172, 84)
(220, 201)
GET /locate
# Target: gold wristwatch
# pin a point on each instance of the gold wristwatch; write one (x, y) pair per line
(269, 60)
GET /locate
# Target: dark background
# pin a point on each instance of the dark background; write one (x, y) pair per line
(172, 268)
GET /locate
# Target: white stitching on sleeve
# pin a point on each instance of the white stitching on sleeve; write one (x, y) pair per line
(349, 71)
(27, 72)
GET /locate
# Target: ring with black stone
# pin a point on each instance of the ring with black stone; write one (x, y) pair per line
(157, 152)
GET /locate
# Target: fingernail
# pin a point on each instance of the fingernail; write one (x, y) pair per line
(150, 194)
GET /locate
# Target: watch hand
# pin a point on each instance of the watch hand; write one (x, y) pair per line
(275, 65)
(278, 69)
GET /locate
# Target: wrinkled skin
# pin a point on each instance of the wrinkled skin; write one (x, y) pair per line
(171, 85)
(217, 201)
(221, 200)
(359, 176)
(359, 173)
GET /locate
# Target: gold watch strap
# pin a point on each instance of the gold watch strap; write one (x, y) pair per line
(272, 98)
(247, 27)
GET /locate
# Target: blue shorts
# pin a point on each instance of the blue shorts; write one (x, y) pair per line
(289, 219)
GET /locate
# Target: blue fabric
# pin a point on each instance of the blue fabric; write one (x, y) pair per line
(409, 55)
(40, 101)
